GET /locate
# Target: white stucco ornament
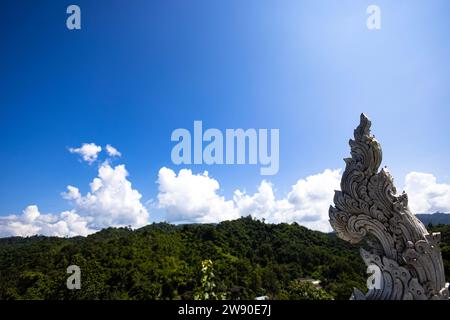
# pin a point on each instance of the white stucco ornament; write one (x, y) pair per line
(396, 242)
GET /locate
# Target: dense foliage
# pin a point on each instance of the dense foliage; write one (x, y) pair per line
(241, 259)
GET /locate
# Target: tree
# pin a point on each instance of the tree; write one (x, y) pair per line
(305, 290)
(207, 291)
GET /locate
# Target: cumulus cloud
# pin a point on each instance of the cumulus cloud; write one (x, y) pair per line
(112, 152)
(195, 198)
(425, 194)
(112, 201)
(88, 152)
(32, 222)
(307, 203)
(189, 197)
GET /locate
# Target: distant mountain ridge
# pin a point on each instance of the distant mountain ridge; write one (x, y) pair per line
(434, 218)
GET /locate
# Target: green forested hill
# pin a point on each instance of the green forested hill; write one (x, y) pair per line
(162, 261)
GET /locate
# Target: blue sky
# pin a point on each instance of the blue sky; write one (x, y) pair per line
(137, 70)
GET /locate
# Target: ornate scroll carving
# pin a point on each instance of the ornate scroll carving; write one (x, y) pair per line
(368, 207)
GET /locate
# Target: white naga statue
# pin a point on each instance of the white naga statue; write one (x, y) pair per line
(405, 258)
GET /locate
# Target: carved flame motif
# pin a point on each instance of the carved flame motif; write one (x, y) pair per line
(368, 207)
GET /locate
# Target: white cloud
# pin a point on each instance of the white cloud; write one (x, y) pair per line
(188, 197)
(312, 197)
(113, 152)
(425, 195)
(262, 204)
(32, 222)
(192, 197)
(88, 151)
(111, 201)
(307, 203)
